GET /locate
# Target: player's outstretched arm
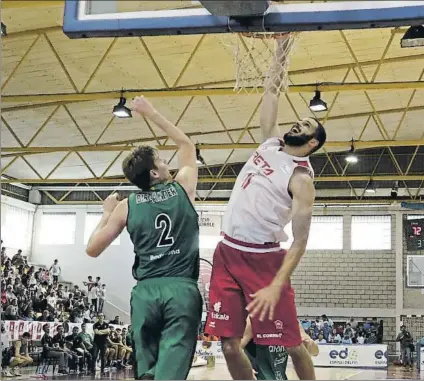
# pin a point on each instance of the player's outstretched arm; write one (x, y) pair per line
(187, 174)
(112, 223)
(265, 300)
(302, 188)
(269, 106)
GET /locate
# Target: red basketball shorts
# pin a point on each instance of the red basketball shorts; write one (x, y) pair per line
(241, 269)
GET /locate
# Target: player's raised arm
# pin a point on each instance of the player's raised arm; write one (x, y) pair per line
(187, 174)
(269, 106)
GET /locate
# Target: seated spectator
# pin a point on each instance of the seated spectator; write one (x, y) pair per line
(127, 346)
(346, 339)
(10, 294)
(371, 339)
(349, 331)
(321, 339)
(20, 354)
(78, 346)
(51, 300)
(86, 339)
(54, 352)
(314, 328)
(29, 316)
(360, 339)
(313, 333)
(113, 346)
(87, 314)
(59, 340)
(11, 312)
(326, 330)
(5, 353)
(45, 316)
(334, 337)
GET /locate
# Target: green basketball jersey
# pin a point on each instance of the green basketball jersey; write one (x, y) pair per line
(163, 226)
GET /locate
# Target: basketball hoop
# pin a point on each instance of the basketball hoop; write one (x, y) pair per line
(262, 60)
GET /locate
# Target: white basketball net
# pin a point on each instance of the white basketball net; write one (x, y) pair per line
(262, 60)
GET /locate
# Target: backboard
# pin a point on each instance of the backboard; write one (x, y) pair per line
(127, 18)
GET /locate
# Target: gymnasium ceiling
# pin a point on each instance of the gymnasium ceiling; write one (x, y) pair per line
(57, 97)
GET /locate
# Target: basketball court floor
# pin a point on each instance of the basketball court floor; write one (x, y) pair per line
(220, 372)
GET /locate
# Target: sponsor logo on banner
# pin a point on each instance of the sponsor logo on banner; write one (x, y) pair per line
(347, 356)
(15, 329)
(207, 349)
(352, 356)
(381, 357)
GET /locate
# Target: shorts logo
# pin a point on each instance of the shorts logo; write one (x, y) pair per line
(217, 315)
(279, 325)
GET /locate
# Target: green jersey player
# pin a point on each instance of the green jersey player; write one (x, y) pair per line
(166, 305)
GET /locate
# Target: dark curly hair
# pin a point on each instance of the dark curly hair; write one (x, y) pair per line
(138, 164)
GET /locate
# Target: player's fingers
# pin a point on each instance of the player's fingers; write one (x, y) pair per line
(252, 305)
(271, 312)
(253, 295)
(256, 311)
(264, 312)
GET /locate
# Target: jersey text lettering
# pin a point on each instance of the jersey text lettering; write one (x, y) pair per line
(259, 161)
(155, 197)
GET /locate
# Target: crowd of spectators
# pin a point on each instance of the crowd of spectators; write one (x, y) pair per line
(36, 294)
(77, 351)
(324, 330)
(32, 293)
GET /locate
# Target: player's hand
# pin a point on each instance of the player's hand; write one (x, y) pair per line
(142, 106)
(111, 202)
(263, 302)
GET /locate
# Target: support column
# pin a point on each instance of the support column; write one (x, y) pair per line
(399, 269)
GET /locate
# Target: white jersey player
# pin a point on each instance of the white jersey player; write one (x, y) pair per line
(274, 187)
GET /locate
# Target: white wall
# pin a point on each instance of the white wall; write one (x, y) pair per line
(17, 219)
(113, 266)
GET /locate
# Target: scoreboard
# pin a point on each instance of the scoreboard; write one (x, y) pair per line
(414, 234)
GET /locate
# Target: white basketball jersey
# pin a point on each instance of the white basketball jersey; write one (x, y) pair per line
(260, 205)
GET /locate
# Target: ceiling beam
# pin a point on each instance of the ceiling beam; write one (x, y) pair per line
(72, 97)
(225, 146)
(215, 180)
(8, 4)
